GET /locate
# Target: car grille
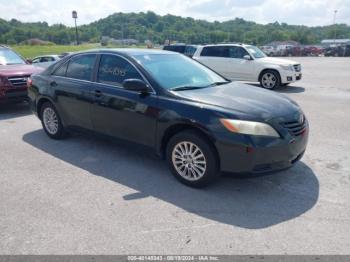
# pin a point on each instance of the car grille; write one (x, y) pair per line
(18, 81)
(297, 68)
(295, 128)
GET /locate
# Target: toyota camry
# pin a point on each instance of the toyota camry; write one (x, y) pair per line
(196, 119)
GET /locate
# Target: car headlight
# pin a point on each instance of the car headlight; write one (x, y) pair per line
(249, 128)
(287, 67)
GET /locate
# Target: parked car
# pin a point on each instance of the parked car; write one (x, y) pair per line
(14, 71)
(312, 51)
(187, 50)
(199, 121)
(248, 63)
(292, 51)
(46, 59)
(338, 51)
(269, 50)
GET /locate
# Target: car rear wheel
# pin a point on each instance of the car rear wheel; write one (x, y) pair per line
(270, 79)
(192, 159)
(51, 121)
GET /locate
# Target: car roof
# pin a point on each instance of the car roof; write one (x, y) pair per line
(233, 44)
(129, 51)
(47, 56)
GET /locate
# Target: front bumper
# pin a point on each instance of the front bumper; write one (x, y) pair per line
(261, 155)
(290, 76)
(13, 94)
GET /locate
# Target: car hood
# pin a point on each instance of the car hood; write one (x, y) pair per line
(19, 70)
(245, 100)
(277, 61)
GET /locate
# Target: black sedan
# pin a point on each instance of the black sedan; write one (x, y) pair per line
(196, 119)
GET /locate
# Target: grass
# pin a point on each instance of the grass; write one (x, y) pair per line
(28, 51)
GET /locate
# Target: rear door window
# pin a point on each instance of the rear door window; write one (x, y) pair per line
(61, 71)
(114, 70)
(81, 67)
(215, 51)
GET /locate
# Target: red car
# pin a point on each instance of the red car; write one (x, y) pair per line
(14, 72)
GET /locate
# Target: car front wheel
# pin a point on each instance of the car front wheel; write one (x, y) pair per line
(270, 79)
(51, 121)
(192, 159)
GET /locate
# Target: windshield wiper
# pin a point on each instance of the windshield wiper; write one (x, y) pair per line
(183, 88)
(219, 83)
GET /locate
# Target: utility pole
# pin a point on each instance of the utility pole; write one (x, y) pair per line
(335, 26)
(75, 17)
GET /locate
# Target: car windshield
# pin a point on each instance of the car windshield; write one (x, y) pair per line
(173, 71)
(256, 52)
(8, 57)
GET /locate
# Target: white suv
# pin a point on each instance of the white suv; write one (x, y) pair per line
(248, 63)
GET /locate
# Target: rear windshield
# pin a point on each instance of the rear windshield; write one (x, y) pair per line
(8, 57)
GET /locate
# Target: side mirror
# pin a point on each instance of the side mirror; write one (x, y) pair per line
(136, 85)
(29, 61)
(247, 57)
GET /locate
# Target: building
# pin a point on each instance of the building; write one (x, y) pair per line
(335, 42)
(277, 44)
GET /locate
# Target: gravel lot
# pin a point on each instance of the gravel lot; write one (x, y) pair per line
(89, 196)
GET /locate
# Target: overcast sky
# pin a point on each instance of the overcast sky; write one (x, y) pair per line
(307, 12)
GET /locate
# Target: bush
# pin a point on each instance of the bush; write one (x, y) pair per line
(11, 42)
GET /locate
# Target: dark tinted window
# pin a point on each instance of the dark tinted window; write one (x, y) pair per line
(190, 50)
(175, 48)
(114, 70)
(61, 71)
(47, 59)
(215, 51)
(237, 52)
(81, 67)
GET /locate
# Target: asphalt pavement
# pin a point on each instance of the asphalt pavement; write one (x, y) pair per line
(85, 195)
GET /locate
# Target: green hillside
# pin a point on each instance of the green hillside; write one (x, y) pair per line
(143, 26)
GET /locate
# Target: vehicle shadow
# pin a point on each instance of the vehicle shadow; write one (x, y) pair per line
(290, 89)
(252, 203)
(285, 89)
(13, 110)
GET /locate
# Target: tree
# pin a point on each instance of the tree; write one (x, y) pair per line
(143, 26)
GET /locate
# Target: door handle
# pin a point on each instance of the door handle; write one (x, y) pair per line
(53, 83)
(98, 93)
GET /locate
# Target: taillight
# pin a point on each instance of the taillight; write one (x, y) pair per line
(29, 82)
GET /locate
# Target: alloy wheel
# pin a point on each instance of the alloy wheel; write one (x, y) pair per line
(50, 120)
(189, 161)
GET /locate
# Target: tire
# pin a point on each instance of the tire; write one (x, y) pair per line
(184, 166)
(270, 79)
(51, 121)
